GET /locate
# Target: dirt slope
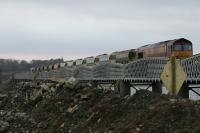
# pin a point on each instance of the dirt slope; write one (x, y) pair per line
(68, 108)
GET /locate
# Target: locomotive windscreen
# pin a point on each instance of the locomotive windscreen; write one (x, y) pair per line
(182, 47)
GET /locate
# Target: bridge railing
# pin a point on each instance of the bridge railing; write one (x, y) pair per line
(191, 67)
(143, 69)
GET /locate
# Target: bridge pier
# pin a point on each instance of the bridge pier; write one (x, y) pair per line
(122, 88)
(157, 87)
(184, 91)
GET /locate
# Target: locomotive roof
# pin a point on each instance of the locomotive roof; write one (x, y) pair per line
(168, 42)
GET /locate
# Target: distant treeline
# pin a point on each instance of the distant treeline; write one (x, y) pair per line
(9, 65)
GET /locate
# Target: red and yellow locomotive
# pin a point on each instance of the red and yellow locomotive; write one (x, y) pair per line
(180, 48)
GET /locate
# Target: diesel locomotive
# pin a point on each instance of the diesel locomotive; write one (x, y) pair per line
(180, 48)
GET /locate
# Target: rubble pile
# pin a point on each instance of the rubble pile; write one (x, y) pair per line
(77, 107)
(38, 107)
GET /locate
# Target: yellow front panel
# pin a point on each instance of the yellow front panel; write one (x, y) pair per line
(182, 54)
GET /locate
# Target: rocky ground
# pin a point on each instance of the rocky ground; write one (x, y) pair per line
(67, 107)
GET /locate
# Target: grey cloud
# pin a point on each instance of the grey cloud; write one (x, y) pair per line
(94, 26)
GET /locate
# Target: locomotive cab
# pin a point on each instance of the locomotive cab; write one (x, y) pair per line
(182, 48)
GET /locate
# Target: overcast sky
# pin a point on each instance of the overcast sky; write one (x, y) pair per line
(43, 29)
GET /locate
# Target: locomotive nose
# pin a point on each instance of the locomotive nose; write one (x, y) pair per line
(183, 54)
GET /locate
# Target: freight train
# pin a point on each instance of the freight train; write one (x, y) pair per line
(180, 48)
